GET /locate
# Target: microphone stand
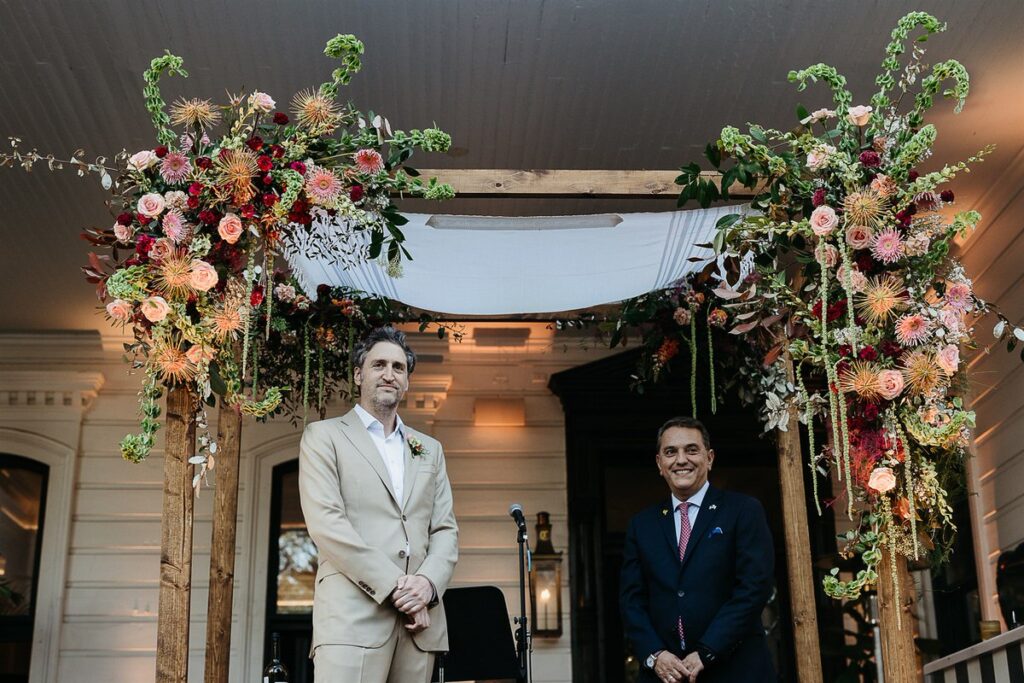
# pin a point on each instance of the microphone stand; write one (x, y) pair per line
(522, 632)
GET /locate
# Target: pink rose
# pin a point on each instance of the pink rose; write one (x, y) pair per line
(285, 292)
(161, 249)
(824, 220)
(952, 320)
(882, 479)
(859, 236)
(199, 354)
(949, 358)
(890, 384)
(819, 157)
(230, 228)
(140, 161)
(176, 199)
(119, 309)
(123, 233)
(203, 276)
(858, 115)
(151, 205)
(819, 115)
(827, 253)
(262, 101)
(155, 309)
(681, 316)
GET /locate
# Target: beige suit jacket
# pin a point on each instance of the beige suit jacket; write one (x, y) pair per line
(367, 538)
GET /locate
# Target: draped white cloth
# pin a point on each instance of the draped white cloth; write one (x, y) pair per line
(473, 265)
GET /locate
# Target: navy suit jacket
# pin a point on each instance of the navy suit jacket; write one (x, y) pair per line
(720, 588)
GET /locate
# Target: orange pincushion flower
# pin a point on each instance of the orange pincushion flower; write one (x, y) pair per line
(174, 276)
(235, 170)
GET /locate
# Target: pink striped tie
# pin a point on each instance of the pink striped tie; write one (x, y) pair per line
(684, 538)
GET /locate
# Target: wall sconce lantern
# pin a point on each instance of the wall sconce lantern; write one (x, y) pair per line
(546, 583)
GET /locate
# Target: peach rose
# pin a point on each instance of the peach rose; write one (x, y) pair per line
(949, 359)
(890, 384)
(119, 309)
(824, 220)
(155, 309)
(140, 161)
(151, 204)
(882, 479)
(203, 276)
(883, 185)
(820, 115)
(859, 236)
(199, 354)
(123, 233)
(819, 157)
(827, 253)
(262, 101)
(230, 228)
(161, 249)
(858, 115)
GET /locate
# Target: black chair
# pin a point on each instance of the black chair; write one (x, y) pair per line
(480, 645)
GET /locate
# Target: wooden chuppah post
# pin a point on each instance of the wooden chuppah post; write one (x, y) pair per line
(222, 545)
(806, 641)
(176, 539)
(897, 622)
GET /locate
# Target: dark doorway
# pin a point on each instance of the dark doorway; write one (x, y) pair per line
(611, 475)
(22, 502)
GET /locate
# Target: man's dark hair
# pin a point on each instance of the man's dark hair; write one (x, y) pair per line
(383, 334)
(685, 422)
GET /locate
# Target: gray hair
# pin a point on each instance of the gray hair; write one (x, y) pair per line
(686, 422)
(383, 334)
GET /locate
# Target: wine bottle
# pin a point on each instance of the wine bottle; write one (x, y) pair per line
(275, 671)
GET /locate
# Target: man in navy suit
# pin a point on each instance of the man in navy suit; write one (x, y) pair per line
(697, 571)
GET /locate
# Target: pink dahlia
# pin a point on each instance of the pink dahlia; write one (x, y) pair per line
(958, 296)
(175, 167)
(912, 329)
(887, 246)
(174, 226)
(322, 186)
(369, 161)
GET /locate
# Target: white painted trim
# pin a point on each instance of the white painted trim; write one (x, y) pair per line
(54, 552)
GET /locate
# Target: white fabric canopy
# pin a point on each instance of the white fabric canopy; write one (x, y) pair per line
(473, 265)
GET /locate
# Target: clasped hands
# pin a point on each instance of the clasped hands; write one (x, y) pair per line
(672, 669)
(411, 596)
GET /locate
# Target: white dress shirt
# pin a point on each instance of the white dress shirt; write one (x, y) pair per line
(696, 500)
(390, 447)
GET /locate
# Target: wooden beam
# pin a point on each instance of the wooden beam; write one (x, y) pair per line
(897, 622)
(488, 182)
(176, 539)
(799, 566)
(222, 546)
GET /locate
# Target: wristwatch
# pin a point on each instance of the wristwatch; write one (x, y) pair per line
(652, 658)
(705, 654)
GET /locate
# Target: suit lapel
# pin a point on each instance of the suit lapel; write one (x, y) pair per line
(668, 528)
(353, 429)
(412, 467)
(707, 514)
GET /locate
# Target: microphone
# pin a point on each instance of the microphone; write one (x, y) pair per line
(515, 510)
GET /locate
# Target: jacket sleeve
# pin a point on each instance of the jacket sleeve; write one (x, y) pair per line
(755, 568)
(443, 540)
(634, 602)
(329, 526)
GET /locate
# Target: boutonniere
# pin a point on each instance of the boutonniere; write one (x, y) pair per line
(416, 447)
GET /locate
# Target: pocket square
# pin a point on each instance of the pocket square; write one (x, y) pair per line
(717, 531)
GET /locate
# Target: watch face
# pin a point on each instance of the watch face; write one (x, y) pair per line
(650, 661)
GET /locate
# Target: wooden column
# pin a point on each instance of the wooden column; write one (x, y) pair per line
(222, 545)
(899, 654)
(176, 540)
(799, 563)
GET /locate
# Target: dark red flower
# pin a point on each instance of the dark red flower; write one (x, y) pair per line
(193, 202)
(868, 353)
(865, 263)
(816, 310)
(844, 350)
(323, 291)
(208, 217)
(143, 243)
(913, 175)
(841, 367)
(268, 179)
(280, 118)
(890, 348)
(223, 153)
(264, 162)
(277, 151)
(247, 211)
(256, 298)
(298, 166)
(133, 261)
(836, 310)
(355, 193)
(124, 218)
(269, 199)
(946, 195)
(818, 198)
(195, 189)
(160, 151)
(144, 220)
(870, 411)
(204, 162)
(870, 159)
(254, 143)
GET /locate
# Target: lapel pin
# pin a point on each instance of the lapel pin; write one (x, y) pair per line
(713, 507)
(664, 512)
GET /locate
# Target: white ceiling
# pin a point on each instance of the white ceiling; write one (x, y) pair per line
(637, 84)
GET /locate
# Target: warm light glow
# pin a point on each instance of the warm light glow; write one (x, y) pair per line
(545, 595)
(499, 412)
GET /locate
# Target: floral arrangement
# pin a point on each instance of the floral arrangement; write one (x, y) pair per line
(202, 216)
(842, 263)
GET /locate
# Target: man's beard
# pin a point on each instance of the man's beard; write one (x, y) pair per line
(385, 402)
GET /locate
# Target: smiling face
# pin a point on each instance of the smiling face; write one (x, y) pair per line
(383, 378)
(684, 461)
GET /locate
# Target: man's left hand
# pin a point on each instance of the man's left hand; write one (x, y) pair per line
(693, 666)
(413, 593)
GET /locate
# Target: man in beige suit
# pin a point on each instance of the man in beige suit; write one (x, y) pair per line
(378, 505)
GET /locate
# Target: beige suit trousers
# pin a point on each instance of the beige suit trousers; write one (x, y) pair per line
(398, 660)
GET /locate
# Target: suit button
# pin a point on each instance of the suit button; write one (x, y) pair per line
(404, 518)
(401, 553)
(681, 593)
